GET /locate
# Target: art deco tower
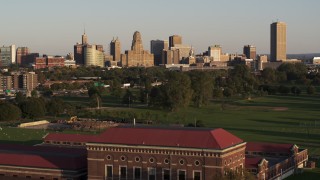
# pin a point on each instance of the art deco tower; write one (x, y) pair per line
(278, 41)
(137, 56)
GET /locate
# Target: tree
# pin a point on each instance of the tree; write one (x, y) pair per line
(227, 92)
(20, 97)
(92, 91)
(202, 86)
(55, 106)
(268, 75)
(295, 90)
(33, 108)
(177, 91)
(128, 98)
(311, 90)
(9, 112)
(283, 89)
(34, 93)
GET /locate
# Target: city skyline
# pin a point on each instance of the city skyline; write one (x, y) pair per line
(201, 24)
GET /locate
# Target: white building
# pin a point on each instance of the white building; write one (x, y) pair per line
(215, 52)
(7, 55)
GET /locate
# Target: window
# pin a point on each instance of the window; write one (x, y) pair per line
(123, 172)
(166, 174)
(137, 173)
(109, 172)
(197, 163)
(181, 175)
(108, 157)
(166, 161)
(28, 177)
(151, 173)
(151, 160)
(137, 159)
(196, 175)
(181, 161)
(41, 177)
(123, 158)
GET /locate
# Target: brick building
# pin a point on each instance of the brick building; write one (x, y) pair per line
(273, 161)
(39, 162)
(156, 153)
(49, 62)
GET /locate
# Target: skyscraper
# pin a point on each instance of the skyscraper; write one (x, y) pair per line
(93, 55)
(250, 52)
(137, 56)
(8, 55)
(21, 53)
(278, 41)
(79, 50)
(115, 49)
(156, 48)
(174, 40)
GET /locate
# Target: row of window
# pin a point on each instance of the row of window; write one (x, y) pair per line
(152, 160)
(137, 173)
(154, 151)
(27, 177)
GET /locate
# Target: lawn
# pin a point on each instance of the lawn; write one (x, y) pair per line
(278, 119)
(307, 174)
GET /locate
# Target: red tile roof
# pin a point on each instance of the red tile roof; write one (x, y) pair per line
(80, 138)
(183, 137)
(268, 147)
(252, 162)
(43, 157)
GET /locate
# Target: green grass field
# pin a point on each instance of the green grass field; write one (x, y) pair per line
(278, 119)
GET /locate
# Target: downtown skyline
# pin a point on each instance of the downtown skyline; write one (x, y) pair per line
(54, 27)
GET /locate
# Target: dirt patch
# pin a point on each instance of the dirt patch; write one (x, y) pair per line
(280, 109)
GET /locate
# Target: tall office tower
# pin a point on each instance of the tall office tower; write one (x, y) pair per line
(93, 55)
(137, 56)
(115, 49)
(8, 55)
(22, 52)
(250, 52)
(174, 40)
(156, 48)
(79, 50)
(215, 52)
(278, 41)
(84, 38)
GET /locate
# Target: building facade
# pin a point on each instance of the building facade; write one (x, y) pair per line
(156, 48)
(214, 52)
(22, 52)
(137, 56)
(93, 55)
(278, 41)
(174, 40)
(7, 55)
(49, 62)
(115, 49)
(250, 52)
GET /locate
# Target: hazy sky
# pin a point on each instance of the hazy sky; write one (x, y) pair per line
(54, 26)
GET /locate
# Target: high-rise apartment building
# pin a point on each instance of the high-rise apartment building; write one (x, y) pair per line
(93, 55)
(215, 52)
(278, 41)
(137, 56)
(8, 55)
(156, 48)
(250, 52)
(174, 40)
(22, 52)
(115, 49)
(27, 81)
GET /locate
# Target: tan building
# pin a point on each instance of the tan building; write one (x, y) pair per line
(278, 42)
(250, 52)
(174, 40)
(137, 56)
(115, 49)
(93, 55)
(5, 83)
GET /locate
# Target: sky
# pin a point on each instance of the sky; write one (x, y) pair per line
(53, 27)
